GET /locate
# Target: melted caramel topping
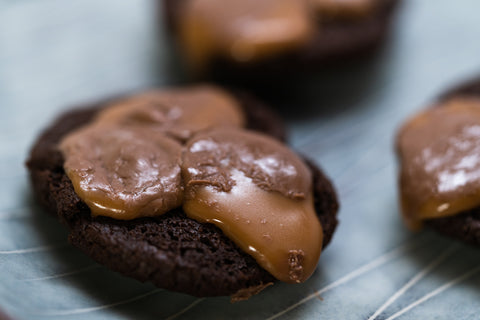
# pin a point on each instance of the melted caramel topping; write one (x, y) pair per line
(179, 113)
(439, 152)
(250, 30)
(263, 224)
(260, 215)
(124, 173)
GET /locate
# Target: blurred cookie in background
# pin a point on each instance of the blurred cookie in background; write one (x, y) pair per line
(250, 38)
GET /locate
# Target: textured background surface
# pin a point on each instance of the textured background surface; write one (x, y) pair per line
(56, 53)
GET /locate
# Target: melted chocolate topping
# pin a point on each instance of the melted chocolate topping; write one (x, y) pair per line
(439, 151)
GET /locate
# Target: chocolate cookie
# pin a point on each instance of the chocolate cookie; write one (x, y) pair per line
(328, 30)
(172, 250)
(464, 226)
(459, 216)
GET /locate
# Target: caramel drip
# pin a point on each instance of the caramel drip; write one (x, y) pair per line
(283, 235)
(259, 193)
(439, 151)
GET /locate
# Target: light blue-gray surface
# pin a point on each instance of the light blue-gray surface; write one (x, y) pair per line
(57, 53)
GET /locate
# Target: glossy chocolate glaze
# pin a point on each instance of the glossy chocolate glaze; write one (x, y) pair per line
(124, 173)
(439, 151)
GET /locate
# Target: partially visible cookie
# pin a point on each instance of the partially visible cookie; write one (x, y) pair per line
(252, 38)
(465, 226)
(171, 250)
(3, 316)
(440, 175)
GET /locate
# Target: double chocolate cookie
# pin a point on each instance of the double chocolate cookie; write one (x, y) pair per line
(190, 189)
(439, 152)
(267, 37)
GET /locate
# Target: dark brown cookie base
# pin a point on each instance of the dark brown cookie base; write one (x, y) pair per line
(464, 226)
(172, 251)
(337, 41)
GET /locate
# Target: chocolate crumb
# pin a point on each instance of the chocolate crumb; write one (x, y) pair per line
(295, 260)
(244, 294)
